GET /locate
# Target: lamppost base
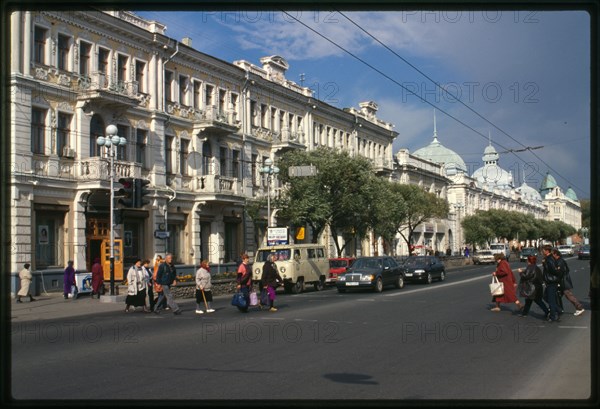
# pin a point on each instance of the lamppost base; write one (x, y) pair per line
(113, 298)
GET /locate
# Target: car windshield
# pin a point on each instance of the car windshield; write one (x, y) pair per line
(367, 263)
(282, 254)
(415, 262)
(338, 263)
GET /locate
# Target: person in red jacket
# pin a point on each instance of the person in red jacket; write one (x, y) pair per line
(97, 277)
(505, 275)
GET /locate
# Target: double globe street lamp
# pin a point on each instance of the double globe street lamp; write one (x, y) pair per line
(111, 142)
(269, 169)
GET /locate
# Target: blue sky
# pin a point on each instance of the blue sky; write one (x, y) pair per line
(523, 76)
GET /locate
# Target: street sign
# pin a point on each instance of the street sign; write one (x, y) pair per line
(299, 171)
(277, 235)
(159, 234)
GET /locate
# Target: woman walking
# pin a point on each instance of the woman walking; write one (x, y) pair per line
(26, 278)
(271, 279)
(97, 277)
(149, 282)
(136, 287)
(530, 287)
(203, 288)
(69, 279)
(244, 280)
(505, 276)
(158, 289)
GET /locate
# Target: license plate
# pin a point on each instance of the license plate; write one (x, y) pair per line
(409, 274)
(351, 283)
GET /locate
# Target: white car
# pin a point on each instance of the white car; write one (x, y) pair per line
(484, 257)
(565, 250)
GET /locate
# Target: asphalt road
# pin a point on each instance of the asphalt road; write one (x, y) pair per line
(437, 341)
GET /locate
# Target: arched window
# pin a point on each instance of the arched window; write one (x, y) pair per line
(96, 129)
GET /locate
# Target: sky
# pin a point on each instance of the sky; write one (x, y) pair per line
(522, 78)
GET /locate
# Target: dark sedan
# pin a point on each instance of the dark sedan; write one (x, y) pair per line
(526, 252)
(584, 252)
(424, 268)
(372, 273)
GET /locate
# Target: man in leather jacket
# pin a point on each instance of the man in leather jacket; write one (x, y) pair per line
(552, 278)
(566, 283)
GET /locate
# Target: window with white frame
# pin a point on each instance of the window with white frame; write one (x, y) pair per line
(63, 48)
(168, 86)
(85, 51)
(141, 140)
(123, 132)
(38, 130)
(40, 39)
(63, 133)
(140, 71)
(197, 94)
(183, 154)
(183, 85)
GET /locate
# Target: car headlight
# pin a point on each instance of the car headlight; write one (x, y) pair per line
(342, 278)
(420, 270)
(282, 269)
(257, 271)
(367, 278)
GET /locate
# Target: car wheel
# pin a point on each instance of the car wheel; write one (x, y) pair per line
(379, 285)
(319, 285)
(428, 280)
(297, 288)
(442, 276)
(400, 282)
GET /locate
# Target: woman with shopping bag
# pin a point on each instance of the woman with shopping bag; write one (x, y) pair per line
(505, 275)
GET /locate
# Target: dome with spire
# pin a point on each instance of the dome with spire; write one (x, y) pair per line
(570, 193)
(491, 175)
(438, 153)
(548, 183)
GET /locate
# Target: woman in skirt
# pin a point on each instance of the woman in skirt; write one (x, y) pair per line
(136, 287)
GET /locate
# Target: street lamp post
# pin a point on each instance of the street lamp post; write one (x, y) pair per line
(111, 142)
(270, 170)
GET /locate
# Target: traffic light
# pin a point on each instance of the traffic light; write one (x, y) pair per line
(141, 191)
(126, 193)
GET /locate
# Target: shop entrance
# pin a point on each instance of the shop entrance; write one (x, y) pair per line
(98, 246)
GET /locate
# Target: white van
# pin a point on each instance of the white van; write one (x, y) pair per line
(500, 248)
(298, 265)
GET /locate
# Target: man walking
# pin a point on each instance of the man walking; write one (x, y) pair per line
(552, 278)
(566, 283)
(165, 276)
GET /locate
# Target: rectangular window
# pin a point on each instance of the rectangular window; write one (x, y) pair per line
(140, 68)
(103, 54)
(198, 95)
(39, 49)
(222, 101)
(38, 130)
(49, 240)
(174, 241)
(253, 112)
(63, 52)
(122, 69)
(263, 115)
(168, 86)
(235, 164)
(182, 89)
(168, 155)
(123, 132)
(230, 242)
(140, 151)
(254, 164)
(183, 152)
(63, 133)
(273, 116)
(85, 50)
(234, 104)
(223, 161)
(209, 95)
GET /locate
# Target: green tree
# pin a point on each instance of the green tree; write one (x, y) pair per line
(476, 231)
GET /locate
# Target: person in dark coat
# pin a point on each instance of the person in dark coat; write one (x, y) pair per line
(552, 278)
(566, 285)
(244, 281)
(97, 277)
(505, 275)
(68, 279)
(530, 287)
(271, 279)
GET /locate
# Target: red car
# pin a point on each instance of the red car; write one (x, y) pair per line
(338, 266)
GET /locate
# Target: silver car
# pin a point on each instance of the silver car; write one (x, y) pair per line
(484, 257)
(565, 250)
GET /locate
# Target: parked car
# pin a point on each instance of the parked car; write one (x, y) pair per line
(338, 266)
(424, 268)
(565, 250)
(484, 257)
(373, 273)
(526, 252)
(584, 252)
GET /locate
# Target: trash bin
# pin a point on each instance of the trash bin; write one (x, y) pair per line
(84, 283)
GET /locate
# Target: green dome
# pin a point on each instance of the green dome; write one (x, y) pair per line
(570, 193)
(438, 153)
(548, 183)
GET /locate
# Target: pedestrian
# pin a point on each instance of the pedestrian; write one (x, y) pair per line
(531, 287)
(505, 275)
(149, 282)
(244, 281)
(158, 289)
(203, 288)
(69, 280)
(566, 285)
(466, 252)
(271, 279)
(136, 287)
(552, 278)
(97, 277)
(26, 277)
(166, 276)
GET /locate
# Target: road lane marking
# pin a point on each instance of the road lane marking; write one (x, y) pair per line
(571, 327)
(488, 277)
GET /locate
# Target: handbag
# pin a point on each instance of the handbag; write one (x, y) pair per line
(264, 297)
(74, 291)
(253, 298)
(526, 289)
(238, 300)
(496, 287)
